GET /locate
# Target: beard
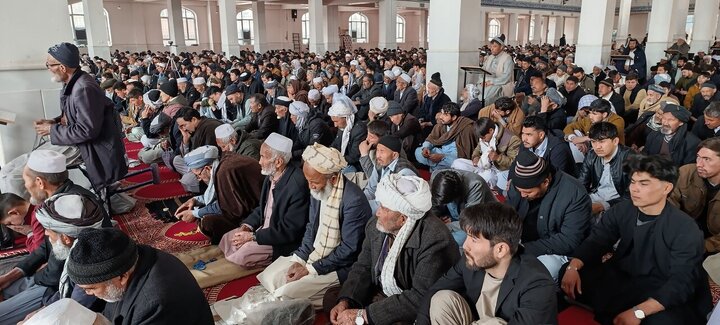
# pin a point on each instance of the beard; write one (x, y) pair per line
(37, 198)
(113, 293)
(666, 130)
(268, 171)
(484, 262)
(323, 194)
(59, 250)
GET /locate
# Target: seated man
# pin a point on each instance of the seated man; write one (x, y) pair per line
(233, 191)
(454, 190)
(30, 286)
(600, 110)
(387, 161)
(331, 244)
(655, 274)
(494, 153)
(555, 209)
(404, 126)
(696, 192)
(350, 134)
(552, 109)
(197, 131)
(494, 280)
(602, 171)
(263, 120)
(19, 215)
(275, 227)
(673, 139)
(229, 140)
(141, 284)
(406, 249)
(505, 112)
(368, 148)
(451, 138)
(537, 139)
(708, 125)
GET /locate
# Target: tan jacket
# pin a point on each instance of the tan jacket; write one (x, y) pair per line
(583, 125)
(689, 195)
(644, 107)
(638, 99)
(508, 146)
(515, 119)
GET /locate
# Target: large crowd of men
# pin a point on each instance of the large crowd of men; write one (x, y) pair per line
(594, 189)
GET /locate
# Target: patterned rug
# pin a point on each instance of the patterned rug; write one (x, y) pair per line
(184, 231)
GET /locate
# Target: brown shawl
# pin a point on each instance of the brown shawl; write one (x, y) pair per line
(237, 184)
(461, 132)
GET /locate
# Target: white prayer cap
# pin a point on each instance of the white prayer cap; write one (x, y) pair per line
(405, 77)
(199, 81)
(397, 71)
(299, 108)
(598, 65)
(348, 55)
(330, 90)
(317, 80)
(64, 311)
(339, 109)
(224, 131)
(162, 65)
(389, 74)
(313, 94)
(293, 77)
(47, 161)
(559, 58)
(279, 142)
(378, 105)
(201, 157)
(181, 79)
(145, 79)
(353, 62)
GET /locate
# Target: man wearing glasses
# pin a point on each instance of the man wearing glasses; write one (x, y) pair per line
(88, 120)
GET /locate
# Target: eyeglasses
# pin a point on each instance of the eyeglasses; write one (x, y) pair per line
(49, 65)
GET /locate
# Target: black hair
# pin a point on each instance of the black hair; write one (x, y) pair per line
(259, 98)
(446, 187)
(214, 89)
(135, 93)
(536, 122)
(657, 166)
(601, 106)
(187, 113)
(9, 201)
(451, 108)
(119, 85)
(710, 144)
(379, 128)
(505, 104)
(496, 222)
(602, 131)
(483, 126)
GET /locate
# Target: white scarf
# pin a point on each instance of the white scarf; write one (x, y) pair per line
(486, 147)
(346, 133)
(209, 194)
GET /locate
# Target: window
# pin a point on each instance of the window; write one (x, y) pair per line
(189, 27)
(400, 30)
(532, 29)
(305, 21)
(77, 22)
(493, 29)
(245, 27)
(358, 28)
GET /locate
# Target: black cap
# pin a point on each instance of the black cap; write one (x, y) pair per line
(391, 142)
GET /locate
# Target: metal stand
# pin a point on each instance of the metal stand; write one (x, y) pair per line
(477, 70)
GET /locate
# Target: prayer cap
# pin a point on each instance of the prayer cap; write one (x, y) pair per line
(199, 81)
(389, 74)
(245, 76)
(555, 96)
(47, 161)
(330, 90)
(391, 142)
(394, 108)
(279, 142)
(283, 101)
(709, 85)
(170, 88)
(179, 80)
(405, 77)
(586, 100)
(270, 84)
(160, 122)
(378, 105)
(233, 88)
(317, 80)
(529, 170)
(339, 109)
(325, 160)
(201, 157)
(657, 89)
(224, 131)
(100, 255)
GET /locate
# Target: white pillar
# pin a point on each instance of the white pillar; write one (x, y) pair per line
(175, 26)
(331, 34)
(660, 32)
(96, 29)
(211, 39)
(577, 29)
(555, 29)
(679, 18)
(706, 21)
(423, 28)
(317, 38)
(624, 20)
(594, 41)
(228, 27)
(512, 36)
(537, 32)
(545, 29)
(570, 31)
(259, 27)
(387, 16)
(717, 31)
(453, 45)
(524, 30)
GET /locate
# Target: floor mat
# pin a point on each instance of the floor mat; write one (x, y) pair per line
(160, 191)
(166, 174)
(184, 231)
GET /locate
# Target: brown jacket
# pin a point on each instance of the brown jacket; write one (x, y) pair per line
(583, 125)
(689, 195)
(515, 119)
(508, 146)
(462, 133)
(204, 133)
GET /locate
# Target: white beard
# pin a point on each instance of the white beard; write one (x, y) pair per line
(114, 294)
(59, 250)
(324, 194)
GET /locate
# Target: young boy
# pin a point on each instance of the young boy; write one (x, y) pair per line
(19, 215)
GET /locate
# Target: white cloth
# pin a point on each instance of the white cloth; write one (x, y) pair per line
(311, 286)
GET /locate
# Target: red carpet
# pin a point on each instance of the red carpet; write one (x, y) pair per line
(166, 174)
(161, 191)
(576, 316)
(184, 231)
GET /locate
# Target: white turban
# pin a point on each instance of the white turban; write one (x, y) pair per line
(199, 81)
(330, 90)
(313, 94)
(69, 214)
(224, 131)
(317, 80)
(405, 78)
(378, 105)
(339, 109)
(389, 74)
(301, 110)
(353, 63)
(397, 71)
(409, 195)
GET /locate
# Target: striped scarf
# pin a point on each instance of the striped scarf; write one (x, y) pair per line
(328, 234)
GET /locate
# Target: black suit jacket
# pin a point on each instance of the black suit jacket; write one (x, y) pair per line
(291, 199)
(527, 293)
(618, 103)
(683, 146)
(409, 99)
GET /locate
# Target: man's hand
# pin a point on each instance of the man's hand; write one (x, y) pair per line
(165, 145)
(21, 229)
(531, 100)
(436, 157)
(495, 114)
(146, 112)
(493, 155)
(8, 278)
(579, 140)
(186, 216)
(187, 205)
(364, 148)
(544, 104)
(347, 317)
(626, 318)
(597, 208)
(42, 127)
(241, 238)
(426, 152)
(337, 311)
(475, 161)
(197, 104)
(185, 136)
(296, 272)
(582, 147)
(426, 124)
(571, 281)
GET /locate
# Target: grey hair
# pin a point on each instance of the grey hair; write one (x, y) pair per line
(713, 110)
(285, 156)
(473, 91)
(227, 139)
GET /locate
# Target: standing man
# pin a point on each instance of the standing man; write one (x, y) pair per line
(500, 64)
(88, 120)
